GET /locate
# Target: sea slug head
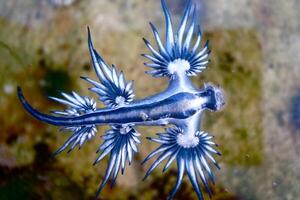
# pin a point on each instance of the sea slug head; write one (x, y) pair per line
(216, 100)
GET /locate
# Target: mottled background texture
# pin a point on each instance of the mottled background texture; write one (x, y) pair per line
(255, 58)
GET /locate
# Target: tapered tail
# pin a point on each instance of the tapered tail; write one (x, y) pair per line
(55, 120)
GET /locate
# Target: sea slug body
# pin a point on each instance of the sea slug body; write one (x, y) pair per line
(180, 106)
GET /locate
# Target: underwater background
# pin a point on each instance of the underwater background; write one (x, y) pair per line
(255, 57)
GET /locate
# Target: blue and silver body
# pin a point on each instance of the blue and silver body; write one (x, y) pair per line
(180, 106)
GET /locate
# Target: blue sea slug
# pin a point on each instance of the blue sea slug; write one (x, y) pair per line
(180, 107)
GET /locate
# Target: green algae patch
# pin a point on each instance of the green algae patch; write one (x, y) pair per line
(39, 180)
(236, 65)
(159, 187)
(32, 183)
(18, 188)
(55, 79)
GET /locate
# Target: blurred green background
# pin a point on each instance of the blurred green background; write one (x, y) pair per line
(255, 46)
